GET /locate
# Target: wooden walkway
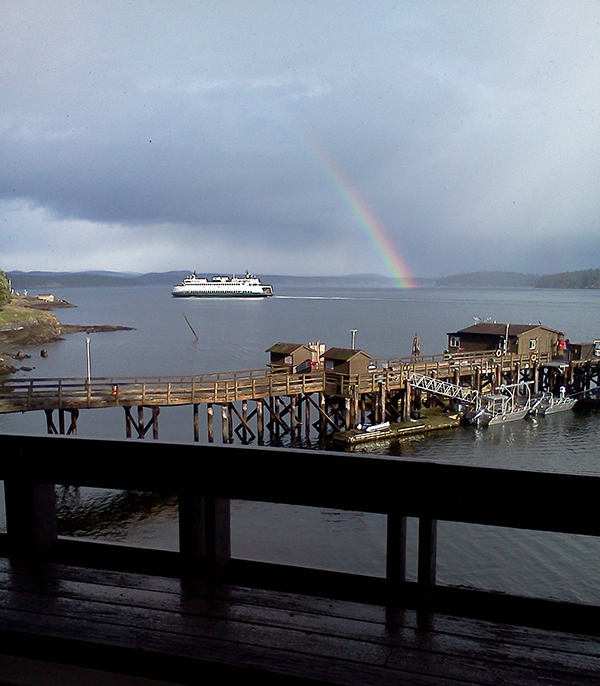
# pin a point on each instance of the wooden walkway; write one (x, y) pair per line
(17, 395)
(62, 624)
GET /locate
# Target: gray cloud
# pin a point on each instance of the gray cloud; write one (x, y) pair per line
(233, 130)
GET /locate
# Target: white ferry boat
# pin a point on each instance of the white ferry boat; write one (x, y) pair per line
(248, 286)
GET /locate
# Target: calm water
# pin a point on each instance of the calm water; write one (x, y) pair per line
(234, 335)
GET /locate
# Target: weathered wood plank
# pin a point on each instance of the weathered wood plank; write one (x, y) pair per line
(345, 643)
(346, 616)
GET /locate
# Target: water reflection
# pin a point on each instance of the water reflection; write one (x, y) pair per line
(114, 515)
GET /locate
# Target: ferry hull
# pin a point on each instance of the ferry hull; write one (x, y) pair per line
(221, 295)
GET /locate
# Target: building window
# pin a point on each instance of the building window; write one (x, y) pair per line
(533, 343)
(287, 359)
(455, 341)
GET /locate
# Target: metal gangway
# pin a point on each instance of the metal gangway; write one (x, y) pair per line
(445, 388)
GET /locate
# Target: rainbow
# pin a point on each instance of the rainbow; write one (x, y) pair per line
(365, 216)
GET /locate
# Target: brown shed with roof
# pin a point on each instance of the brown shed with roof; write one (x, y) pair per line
(523, 339)
(347, 361)
(289, 356)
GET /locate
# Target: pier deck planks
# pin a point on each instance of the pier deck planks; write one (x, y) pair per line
(165, 629)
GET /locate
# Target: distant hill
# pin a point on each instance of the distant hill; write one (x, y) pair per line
(489, 280)
(588, 278)
(52, 280)
(38, 280)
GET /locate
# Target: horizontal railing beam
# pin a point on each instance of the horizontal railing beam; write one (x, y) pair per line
(480, 495)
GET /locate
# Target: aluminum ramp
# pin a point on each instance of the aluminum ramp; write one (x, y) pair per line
(444, 388)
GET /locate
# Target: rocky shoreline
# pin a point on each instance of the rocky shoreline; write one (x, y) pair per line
(27, 321)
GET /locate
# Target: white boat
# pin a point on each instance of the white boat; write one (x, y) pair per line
(248, 286)
(502, 407)
(374, 428)
(551, 404)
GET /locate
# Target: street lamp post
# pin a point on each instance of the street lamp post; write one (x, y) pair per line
(88, 360)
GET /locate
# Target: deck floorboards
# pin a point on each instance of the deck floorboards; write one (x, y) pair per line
(165, 629)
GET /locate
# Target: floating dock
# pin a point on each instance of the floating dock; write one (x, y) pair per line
(430, 419)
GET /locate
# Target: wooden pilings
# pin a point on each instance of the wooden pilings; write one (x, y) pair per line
(292, 417)
(51, 427)
(138, 424)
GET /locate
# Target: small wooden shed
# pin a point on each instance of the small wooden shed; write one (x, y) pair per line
(346, 361)
(584, 351)
(523, 339)
(289, 356)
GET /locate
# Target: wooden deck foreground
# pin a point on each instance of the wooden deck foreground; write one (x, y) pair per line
(61, 624)
(91, 614)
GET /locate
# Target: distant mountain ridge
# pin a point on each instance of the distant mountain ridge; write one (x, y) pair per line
(52, 280)
(490, 280)
(37, 280)
(588, 278)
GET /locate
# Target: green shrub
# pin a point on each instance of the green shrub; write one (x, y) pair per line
(4, 289)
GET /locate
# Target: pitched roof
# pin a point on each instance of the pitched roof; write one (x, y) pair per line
(343, 354)
(286, 348)
(499, 329)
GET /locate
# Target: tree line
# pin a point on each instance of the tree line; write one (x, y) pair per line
(5, 289)
(588, 278)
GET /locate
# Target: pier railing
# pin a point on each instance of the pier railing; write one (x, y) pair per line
(18, 395)
(205, 479)
(65, 393)
(458, 360)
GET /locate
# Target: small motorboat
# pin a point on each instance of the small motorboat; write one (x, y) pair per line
(551, 404)
(502, 407)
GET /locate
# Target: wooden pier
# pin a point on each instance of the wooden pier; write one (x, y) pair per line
(88, 612)
(247, 404)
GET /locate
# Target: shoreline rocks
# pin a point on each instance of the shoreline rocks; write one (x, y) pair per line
(27, 322)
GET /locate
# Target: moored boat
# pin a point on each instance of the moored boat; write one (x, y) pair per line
(551, 404)
(502, 407)
(248, 286)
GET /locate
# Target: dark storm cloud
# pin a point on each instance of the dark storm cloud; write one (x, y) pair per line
(469, 130)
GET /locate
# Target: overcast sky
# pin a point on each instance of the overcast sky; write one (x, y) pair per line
(300, 137)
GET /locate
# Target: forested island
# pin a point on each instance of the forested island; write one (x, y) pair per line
(588, 278)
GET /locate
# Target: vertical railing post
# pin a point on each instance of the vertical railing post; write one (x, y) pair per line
(395, 571)
(204, 534)
(30, 519)
(427, 560)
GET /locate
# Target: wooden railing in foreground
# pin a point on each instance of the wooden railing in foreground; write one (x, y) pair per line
(206, 478)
